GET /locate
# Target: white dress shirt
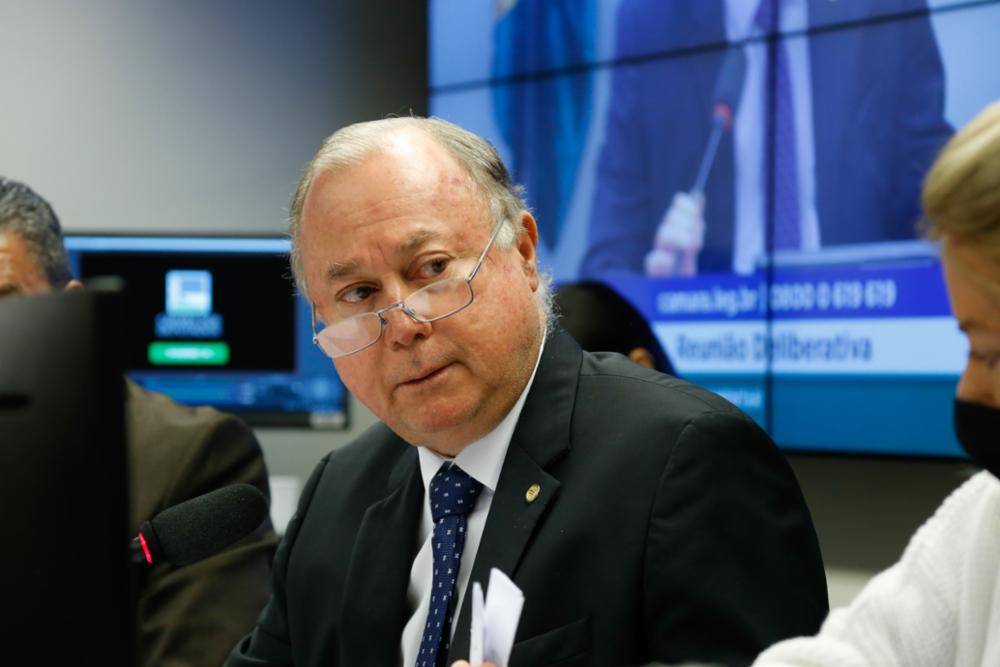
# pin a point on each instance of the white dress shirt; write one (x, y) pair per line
(482, 460)
(750, 123)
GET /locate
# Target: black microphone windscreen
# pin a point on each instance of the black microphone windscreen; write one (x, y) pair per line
(202, 526)
(729, 84)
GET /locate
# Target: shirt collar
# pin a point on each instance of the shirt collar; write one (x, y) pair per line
(483, 459)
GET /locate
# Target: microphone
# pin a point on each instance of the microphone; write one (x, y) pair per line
(726, 97)
(200, 527)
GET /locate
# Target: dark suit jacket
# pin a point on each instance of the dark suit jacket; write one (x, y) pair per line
(877, 105)
(192, 616)
(668, 527)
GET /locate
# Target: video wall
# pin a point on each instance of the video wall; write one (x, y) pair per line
(747, 173)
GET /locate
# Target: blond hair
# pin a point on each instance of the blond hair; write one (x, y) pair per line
(961, 196)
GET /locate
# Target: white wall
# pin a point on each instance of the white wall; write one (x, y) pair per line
(192, 115)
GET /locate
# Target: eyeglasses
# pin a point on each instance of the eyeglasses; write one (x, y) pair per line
(430, 303)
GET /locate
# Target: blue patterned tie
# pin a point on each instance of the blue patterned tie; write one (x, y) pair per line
(452, 495)
(782, 177)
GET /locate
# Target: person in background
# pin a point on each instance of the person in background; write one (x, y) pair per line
(600, 319)
(940, 604)
(191, 616)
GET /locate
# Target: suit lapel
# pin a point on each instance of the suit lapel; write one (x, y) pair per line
(375, 592)
(542, 437)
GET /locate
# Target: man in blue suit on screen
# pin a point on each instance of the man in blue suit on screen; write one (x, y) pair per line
(824, 133)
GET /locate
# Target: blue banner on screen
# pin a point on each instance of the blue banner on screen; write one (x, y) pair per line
(749, 181)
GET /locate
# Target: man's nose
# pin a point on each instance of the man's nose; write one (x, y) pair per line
(401, 330)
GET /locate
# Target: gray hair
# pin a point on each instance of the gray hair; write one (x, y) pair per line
(25, 213)
(350, 145)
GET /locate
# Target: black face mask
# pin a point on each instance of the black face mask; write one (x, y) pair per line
(978, 429)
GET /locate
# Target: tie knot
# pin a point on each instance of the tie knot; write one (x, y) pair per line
(452, 492)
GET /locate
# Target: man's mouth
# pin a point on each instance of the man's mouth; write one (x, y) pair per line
(425, 376)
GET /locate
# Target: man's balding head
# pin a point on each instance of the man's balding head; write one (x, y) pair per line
(349, 145)
(395, 219)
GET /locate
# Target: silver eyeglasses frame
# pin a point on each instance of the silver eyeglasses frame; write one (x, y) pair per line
(380, 313)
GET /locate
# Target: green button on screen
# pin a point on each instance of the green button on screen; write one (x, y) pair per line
(186, 354)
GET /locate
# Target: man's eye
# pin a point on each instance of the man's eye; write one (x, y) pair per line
(356, 294)
(433, 268)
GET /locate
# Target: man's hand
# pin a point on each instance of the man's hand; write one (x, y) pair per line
(679, 238)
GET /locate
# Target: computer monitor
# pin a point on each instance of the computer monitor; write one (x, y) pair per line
(215, 320)
(63, 500)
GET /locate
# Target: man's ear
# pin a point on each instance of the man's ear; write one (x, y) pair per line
(643, 357)
(526, 244)
(73, 284)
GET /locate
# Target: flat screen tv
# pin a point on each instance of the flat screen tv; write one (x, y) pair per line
(750, 180)
(214, 320)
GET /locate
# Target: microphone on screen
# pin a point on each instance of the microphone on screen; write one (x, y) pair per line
(725, 100)
(200, 527)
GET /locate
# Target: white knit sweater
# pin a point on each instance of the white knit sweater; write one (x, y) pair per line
(938, 606)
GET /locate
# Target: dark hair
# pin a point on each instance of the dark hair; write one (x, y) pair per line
(25, 213)
(601, 320)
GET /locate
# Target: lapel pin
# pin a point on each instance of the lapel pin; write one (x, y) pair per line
(532, 493)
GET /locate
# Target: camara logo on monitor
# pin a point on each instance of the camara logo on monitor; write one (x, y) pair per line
(188, 316)
(189, 293)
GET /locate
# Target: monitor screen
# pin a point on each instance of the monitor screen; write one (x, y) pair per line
(216, 321)
(750, 180)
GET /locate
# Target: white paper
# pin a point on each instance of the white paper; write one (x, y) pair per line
(494, 621)
(476, 641)
(285, 492)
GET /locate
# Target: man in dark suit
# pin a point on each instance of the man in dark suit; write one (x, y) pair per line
(642, 517)
(187, 617)
(876, 93)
